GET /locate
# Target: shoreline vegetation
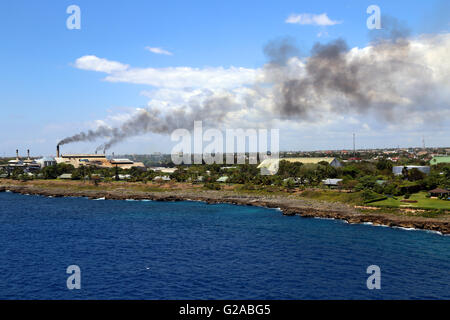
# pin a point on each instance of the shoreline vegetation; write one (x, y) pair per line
(305, 204)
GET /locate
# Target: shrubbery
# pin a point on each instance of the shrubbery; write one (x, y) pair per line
(212, 186)
(370, 196)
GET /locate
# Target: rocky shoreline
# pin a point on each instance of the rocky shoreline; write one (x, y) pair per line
(289, 206)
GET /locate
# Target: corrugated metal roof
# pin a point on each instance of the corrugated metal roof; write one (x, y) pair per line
(83, 155)
(309, 160)
(272, 164)
(65, 176)
(333, 182)
(222, 179)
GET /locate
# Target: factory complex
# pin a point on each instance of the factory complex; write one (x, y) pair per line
(76, 160)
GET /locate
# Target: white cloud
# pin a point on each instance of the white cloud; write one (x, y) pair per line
(94, 63)
(182, 77)
(176, 88)
(172, 77)
(311, 19)
(159, 51)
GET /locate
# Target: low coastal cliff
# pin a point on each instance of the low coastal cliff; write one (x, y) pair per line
(289, 206)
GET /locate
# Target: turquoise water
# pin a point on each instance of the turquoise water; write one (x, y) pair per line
(191, 250)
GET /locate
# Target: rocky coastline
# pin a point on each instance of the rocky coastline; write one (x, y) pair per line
(289, 206)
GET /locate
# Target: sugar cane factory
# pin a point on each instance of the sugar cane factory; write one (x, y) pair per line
(30, 164)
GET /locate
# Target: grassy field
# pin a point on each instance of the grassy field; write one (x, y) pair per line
(334, 196)
(354, 198)
(422, 202)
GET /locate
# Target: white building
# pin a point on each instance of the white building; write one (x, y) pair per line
(270, 166)
(398, 170)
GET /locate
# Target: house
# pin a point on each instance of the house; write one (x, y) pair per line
(65, 176)
(438, 192)
(439, 159)
(331, 182)
(223, 179)
(161, 178)
(163, 169)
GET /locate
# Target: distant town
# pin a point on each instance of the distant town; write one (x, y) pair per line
(400, 156)
(402, 177)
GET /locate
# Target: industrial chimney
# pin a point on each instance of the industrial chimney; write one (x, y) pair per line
(17, 154)
(28, 153)
(57, 151)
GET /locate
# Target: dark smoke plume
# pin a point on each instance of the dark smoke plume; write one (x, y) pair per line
(332, 79)
(90, 135)
(213, 110)
(340, 82)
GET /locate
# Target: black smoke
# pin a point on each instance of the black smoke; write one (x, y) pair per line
(213, 111)
(335, 80)
(331, 79)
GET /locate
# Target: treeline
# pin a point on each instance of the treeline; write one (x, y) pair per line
(375, 177)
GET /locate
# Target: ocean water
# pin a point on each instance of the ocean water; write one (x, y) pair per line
(191, 250)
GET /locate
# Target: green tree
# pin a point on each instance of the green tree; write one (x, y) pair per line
(384, 165)
(366, 183)
(415, 175)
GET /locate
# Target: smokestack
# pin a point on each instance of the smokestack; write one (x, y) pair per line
(57, 151)
(28, 153)
(17, 154)
(354, 146)
(113, 155)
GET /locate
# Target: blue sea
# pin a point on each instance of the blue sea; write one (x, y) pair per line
(191, 250)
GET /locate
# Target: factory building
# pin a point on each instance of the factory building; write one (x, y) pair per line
(270, 166)
(95, 160)
(46, 162)
(84, 159)
(28, 164)
(126, 163)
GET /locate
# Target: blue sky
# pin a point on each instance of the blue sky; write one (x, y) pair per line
(45, 97)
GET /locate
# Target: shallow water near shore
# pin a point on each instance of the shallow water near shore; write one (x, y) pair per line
(191, 250)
